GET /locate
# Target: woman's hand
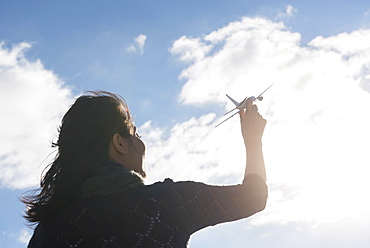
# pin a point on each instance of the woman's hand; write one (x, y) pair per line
(252, 124)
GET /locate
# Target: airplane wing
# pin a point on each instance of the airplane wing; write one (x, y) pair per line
(226, 119)
(264, 91)
(235, 102)
(230, 111)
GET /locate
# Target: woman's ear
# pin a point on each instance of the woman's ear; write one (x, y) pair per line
(120, 143)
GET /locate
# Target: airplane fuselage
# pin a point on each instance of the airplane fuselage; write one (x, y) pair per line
(243, 104)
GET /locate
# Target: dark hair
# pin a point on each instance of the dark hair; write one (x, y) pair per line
(83, 146)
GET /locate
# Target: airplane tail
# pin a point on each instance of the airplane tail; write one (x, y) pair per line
(235, 102)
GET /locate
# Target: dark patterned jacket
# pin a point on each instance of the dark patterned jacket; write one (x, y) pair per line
(164, 214)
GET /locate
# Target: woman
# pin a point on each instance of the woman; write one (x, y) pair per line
(93, 194)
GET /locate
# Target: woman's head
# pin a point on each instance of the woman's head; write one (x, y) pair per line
(98, 128)
(89, 125)
(90, 132)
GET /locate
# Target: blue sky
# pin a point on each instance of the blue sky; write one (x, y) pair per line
(173, 61)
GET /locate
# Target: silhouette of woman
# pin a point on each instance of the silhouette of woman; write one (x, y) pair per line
(93, 194)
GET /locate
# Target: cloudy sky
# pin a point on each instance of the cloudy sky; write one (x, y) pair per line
(173, 62)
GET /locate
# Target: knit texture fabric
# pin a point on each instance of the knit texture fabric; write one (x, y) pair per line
(164, 214)
(110, 179)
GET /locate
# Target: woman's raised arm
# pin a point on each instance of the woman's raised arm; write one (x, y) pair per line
(253, 126)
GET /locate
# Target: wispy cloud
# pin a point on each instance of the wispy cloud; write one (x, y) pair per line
(33, 99)
(137, 45)
(24, 236)
(366, 19)
(290, 11)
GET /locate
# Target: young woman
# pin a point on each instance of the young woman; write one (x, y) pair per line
(93, 194)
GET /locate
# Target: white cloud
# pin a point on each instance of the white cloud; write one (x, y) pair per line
(238, 61)
(190, 50)
(138, 44)
(194, 150)
(24, 236)
(131, 49)
(289, 12)
(33, 99)
(366, 19)
(318, 131)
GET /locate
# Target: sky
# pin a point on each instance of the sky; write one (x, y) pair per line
(173, 62)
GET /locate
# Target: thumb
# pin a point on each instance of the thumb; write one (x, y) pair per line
(241, 113)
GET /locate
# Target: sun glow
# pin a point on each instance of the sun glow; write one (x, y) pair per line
(318, 134)
(318, 167)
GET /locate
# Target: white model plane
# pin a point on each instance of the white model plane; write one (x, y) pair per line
(243, 104)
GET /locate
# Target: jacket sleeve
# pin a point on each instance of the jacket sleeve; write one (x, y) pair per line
(199, 205)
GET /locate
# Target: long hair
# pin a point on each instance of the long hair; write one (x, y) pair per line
(83, 146)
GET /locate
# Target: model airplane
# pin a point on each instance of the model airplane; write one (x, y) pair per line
(243, 104)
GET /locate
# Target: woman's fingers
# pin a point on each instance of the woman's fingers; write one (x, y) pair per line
(252, 123)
